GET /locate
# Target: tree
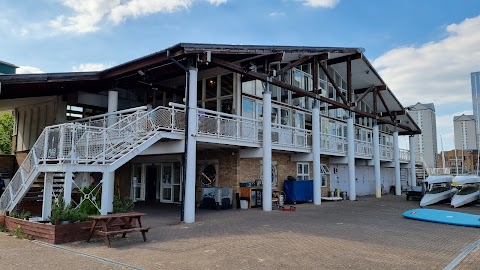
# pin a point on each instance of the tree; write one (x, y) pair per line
(6, 132)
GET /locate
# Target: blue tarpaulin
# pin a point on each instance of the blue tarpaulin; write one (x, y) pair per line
(299, 190)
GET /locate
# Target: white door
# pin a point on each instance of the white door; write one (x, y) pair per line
(138, 182)
(170, 185)
(166, 188)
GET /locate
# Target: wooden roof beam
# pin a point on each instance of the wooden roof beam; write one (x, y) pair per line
(261, 76)
(344, 58)
(363, 90)
(339, 93)
(370, 89)
(386, 107)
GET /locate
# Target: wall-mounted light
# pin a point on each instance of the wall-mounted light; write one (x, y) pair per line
(140, 72)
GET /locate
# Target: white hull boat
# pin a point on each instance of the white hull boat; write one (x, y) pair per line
(438, 189)
(470, 191)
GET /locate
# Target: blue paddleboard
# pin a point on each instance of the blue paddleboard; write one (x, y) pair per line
(442, 216)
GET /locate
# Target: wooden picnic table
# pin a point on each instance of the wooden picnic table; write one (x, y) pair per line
(120, 223)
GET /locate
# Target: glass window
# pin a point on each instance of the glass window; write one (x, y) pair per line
(226, 85)
(303, 171)
(226, 105)
(285, 117)
(211, 88)
(247, 108)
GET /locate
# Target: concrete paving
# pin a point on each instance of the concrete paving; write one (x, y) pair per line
(366, 234)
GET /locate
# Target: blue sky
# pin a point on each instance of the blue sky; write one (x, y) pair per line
(424, 49)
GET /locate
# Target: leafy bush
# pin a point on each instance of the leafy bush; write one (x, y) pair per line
(64, 212)
(87, 206)
(123, 205)
(21, 215)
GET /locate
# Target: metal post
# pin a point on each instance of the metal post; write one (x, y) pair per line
(108, 187)
(413, 177)
(67, 187)
(396, 162)
(351, 157)
(47, 196)
(376, 160)
(112, 106)
(267, 148)
(191, 148)
(317, 176)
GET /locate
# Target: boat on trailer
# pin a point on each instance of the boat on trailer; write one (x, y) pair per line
(439, 188)
(470, 191)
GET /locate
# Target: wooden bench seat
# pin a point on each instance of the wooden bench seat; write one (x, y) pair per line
(129, 230)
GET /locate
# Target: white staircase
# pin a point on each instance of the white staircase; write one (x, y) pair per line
(102, 143)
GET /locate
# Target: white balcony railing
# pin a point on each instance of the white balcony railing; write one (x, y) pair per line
(363, 149)
(333, 144)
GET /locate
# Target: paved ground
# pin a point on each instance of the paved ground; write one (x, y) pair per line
(366, 234)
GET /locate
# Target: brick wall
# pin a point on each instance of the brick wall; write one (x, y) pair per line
(228, 165)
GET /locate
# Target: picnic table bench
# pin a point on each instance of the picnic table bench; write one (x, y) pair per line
(112, 224)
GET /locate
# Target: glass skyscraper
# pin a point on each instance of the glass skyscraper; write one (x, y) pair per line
(476, 97)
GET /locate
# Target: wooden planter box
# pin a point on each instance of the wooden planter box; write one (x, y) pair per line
(54, 234)
(2, 221)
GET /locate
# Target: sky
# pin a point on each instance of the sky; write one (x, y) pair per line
(425, 50)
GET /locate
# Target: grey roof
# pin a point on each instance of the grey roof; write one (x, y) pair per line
(7, 64)
(422, 106)
(464, 117)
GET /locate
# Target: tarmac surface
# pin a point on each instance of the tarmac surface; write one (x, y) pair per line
(365, 234)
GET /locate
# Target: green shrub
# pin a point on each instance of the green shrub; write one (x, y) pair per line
(123, 205)
(64, 212)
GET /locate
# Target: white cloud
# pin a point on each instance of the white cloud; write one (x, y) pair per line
(276, 14)
(217, 2)
(321, 3)
(90, 67)
(89, 15)
(438, 71)
(28, 70)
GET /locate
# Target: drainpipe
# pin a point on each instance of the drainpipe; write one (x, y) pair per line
(187, 123)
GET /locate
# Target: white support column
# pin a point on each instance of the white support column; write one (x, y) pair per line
(191, 149)
(112, 106)
(413, 175)
(376, 161)
(351, 157)
(396, 162)
(108, 188)
(67, 187)
(47, 195)
(267, 148)
(317, 176)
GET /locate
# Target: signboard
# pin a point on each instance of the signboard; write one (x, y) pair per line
(53, 140)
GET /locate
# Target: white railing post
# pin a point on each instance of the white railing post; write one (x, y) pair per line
(104, 134)
(191, 147)
(317, 175)
(396, 162)
(45, 144)
(267, 148)
(60, 143)
(413, 176)
(376, 160)
(47, 196)
(72, 150)
(351, 157)
(172, 118)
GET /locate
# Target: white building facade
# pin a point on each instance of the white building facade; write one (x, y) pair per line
(465, 132)
(426, 143)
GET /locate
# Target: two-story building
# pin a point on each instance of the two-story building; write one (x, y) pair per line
(221, 115)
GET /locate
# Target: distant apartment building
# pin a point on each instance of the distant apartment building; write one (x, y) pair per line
(7, 68)
(426, 143)
(465, 132)
(458, 161)
(475, 77)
